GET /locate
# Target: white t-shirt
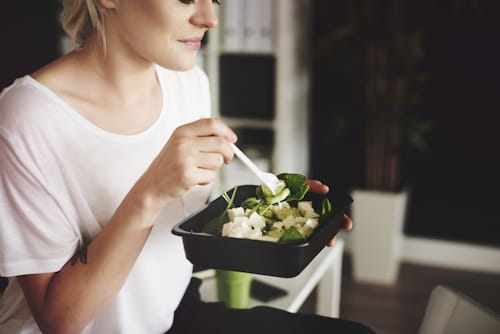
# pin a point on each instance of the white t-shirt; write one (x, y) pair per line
(62, 178)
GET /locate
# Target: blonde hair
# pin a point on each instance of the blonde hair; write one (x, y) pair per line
(79, 18)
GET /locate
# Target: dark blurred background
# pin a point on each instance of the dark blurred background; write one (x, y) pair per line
(29, 37)
(453, 183)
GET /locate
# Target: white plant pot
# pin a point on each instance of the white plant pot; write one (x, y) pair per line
(376, 235)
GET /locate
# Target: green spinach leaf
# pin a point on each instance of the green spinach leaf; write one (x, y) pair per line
(291, 235)
(297, 185)
(214, 226)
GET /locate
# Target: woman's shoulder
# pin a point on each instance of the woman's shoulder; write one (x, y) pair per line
(23, 93)
(24, 102)
(20, 87)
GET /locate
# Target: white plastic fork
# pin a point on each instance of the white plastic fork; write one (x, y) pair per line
(269, 179)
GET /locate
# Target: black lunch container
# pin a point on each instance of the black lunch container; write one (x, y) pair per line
(256, 256)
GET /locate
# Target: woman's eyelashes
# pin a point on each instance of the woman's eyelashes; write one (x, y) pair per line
(192, 1)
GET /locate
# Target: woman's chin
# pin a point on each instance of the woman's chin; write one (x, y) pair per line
(184, 65)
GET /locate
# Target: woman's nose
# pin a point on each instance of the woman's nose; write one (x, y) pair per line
(206, 14)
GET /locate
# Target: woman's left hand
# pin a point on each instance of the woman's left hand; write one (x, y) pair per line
(322, 189)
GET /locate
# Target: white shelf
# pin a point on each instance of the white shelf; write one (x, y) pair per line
(324, 271)
(290, 152)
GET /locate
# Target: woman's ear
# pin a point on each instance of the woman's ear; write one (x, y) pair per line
(108, 4)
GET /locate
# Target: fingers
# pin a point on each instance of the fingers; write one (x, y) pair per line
(212, 136)
(331, 242)
(318, 187)
(215, 149)
(347, 226)
(347, 223)
(208, 127)
(204, 176)
(190, 157)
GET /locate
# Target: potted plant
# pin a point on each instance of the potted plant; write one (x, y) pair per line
(377, 46)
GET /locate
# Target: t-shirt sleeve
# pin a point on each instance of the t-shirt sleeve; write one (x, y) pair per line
(35, 235)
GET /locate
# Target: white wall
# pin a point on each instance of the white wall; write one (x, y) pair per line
(446, 254)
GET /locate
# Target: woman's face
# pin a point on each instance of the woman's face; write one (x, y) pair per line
(166, 32)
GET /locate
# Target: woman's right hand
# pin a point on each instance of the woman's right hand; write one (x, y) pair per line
(191, 157)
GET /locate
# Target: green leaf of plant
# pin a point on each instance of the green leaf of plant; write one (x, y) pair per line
(326, 207)
(297, 185)
(250, 203)
(214, 226)
(326, 210)
(291, 235)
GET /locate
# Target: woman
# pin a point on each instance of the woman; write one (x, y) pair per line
(110, 144)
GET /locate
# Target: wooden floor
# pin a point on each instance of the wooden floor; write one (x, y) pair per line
(399, 309)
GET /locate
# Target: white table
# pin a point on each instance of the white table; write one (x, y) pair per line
(324, 271)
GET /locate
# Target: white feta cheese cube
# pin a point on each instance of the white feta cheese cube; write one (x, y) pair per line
(256, 221)
(308, 227)
(279, 225)
(300, 221)
(254, 234)
(239, 231)
(312, 223)
(235, 212)
(241, 220)
(311, 214)
(238, 228)
(226, 229)
(305, 206)
(289, 222)
(281, 206)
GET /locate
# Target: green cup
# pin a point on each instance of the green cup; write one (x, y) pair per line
(233, 288)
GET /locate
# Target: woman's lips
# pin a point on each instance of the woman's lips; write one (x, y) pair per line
(192, 43)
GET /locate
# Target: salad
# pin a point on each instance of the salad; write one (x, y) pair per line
(282, 217)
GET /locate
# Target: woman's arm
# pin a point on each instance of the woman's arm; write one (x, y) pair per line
(66, 301)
